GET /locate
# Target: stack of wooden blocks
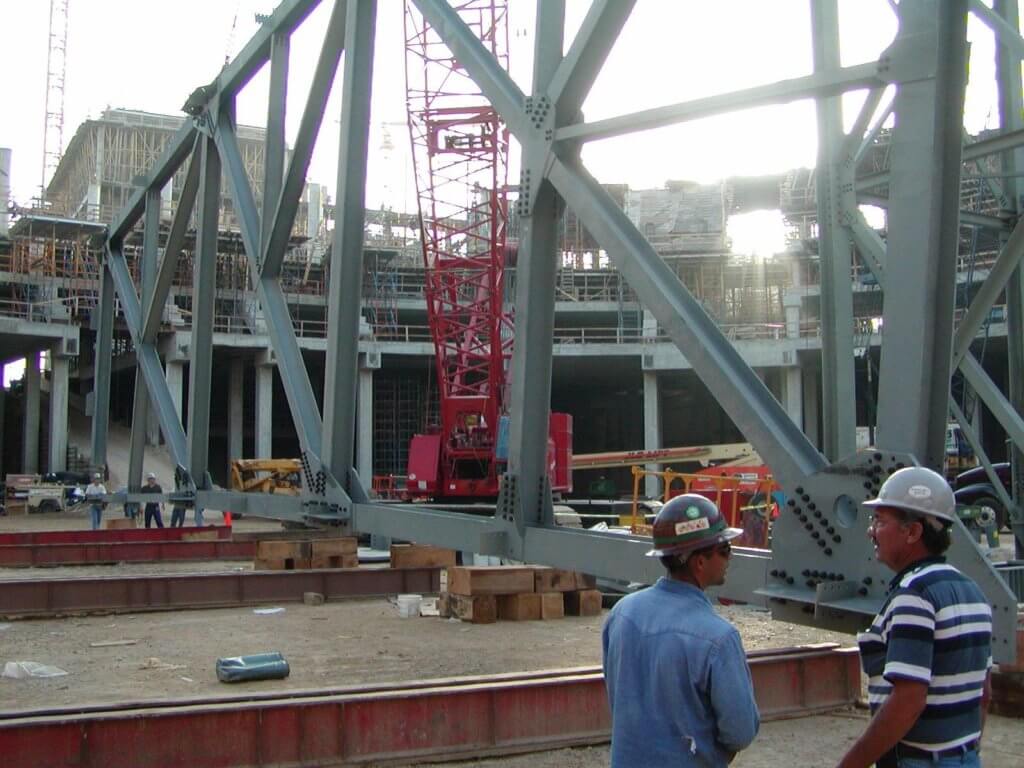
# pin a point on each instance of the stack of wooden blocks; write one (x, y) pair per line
(485, 594)
(303, 555)
(421, 556)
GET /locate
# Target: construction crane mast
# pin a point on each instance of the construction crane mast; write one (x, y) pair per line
(56, 70)
(460, 155)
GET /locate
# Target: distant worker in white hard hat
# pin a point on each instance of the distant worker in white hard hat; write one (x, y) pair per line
(678, 683)
(928, 652)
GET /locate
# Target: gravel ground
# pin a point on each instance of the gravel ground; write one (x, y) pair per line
(358, 641)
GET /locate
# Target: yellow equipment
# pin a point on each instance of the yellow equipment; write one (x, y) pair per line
(283, 476)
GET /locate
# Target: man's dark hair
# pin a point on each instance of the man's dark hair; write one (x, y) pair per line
(936, 541)
(675, 564)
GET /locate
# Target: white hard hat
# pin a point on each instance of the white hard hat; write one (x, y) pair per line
(917, 490)
(151, 476)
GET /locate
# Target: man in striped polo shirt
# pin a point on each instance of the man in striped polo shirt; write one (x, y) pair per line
(928, 652)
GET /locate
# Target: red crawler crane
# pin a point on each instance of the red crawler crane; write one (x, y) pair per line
(460, 155)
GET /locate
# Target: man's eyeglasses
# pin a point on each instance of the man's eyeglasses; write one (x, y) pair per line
(724, 549)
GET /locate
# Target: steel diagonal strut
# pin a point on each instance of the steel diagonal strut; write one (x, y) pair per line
(292, 368)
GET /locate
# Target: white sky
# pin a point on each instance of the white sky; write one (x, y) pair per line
(150, 54)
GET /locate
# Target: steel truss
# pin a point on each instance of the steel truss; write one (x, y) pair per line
(820, 569)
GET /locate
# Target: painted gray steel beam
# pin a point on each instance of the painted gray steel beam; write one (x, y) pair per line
(967, 218)
(924, 207)
(147, 273)
(869, 244)
(291, 366)
(838, 389)
(872, 134)
(148, 358)
(820, 84)
(1009, 138)
(572, 81)
(526, 492)
(154, 306)
(998, 277)
(481, 65)
(1004, 412)
(1007, 35)
(204, 283)
(1011, 102)
(341, 372)
(739, 391)
(285, 18)
(853, 140)
(274, 143)
(104, 325)
(174, 154)
(286, 203)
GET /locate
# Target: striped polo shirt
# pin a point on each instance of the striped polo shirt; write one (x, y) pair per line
(935, 627)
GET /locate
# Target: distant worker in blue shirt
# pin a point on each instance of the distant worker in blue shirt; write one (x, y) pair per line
(928, 652)
(677, 677)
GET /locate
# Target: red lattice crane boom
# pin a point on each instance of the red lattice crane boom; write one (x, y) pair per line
(460, 155)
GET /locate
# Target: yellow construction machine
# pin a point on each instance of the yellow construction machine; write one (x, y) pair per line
(283, 476)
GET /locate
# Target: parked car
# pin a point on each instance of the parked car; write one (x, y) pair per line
(974, 488)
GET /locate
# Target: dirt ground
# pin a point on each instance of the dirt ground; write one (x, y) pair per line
(359, 641)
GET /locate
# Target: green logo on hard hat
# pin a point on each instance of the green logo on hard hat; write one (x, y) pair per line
(692, 512)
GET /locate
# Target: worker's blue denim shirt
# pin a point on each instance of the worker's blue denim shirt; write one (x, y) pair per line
(677, 678)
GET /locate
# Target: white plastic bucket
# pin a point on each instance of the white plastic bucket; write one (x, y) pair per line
(409, 605)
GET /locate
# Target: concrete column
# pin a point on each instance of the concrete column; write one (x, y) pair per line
(236, 402)
(811, 381)
(264, 411)
(174, 372)
(652, 430)
(58, 413)
(364, 428)
(793, 393)
(30, 441)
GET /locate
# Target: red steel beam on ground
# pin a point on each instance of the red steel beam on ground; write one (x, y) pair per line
(115, 534)
(452, 719)
(25, 555)
(55, 597)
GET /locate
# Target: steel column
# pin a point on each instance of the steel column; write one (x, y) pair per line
(341, 373)
(838, 389)
(264, 411)
(274, 145)
(277, 232)
(103, 323)
(30, 433)
(147, 274)
(204, 279)
(1011, 121)
(526, 488)
(924, 207)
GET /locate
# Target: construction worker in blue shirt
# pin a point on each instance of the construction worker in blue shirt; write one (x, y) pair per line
(678, 683)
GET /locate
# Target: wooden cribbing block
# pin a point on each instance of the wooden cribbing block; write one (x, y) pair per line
(282, 550)
(552, 605)
(525, 606)
(478, 609)
(334, 561)
(583, 602)
(585, 581)
(333, 547)
(553, 580)
(490, 580)
(421, 556)
(120, 522)
(281, 564)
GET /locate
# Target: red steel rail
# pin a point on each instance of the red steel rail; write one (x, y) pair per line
(100, 553)
(456, 718)
(113, 594)
(116, 534)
